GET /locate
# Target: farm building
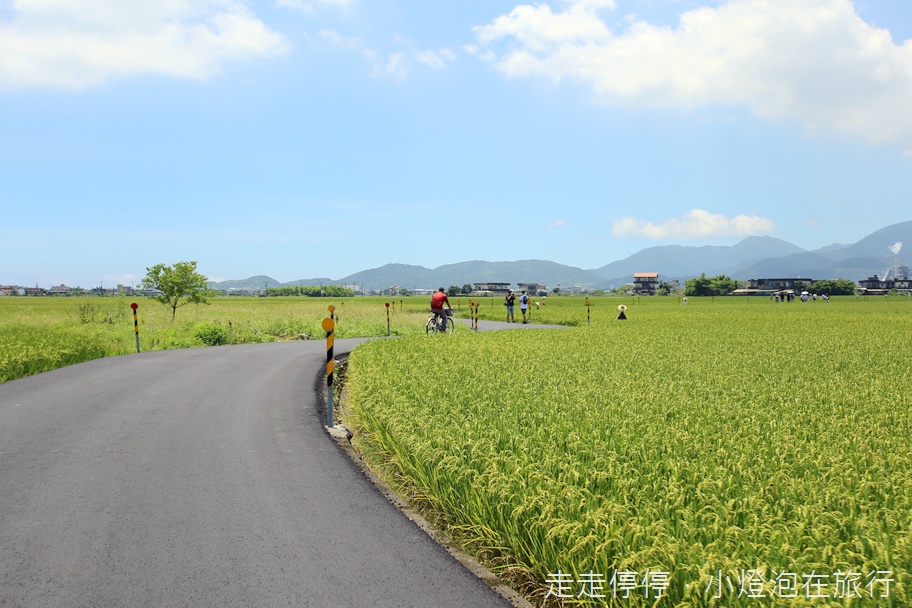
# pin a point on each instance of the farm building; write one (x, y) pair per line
(495, 289)
(645, 282)
(60, 290)
(876, 286)
(535, 289)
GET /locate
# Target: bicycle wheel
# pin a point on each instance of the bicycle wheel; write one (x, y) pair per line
(431, 325)
(450, 325)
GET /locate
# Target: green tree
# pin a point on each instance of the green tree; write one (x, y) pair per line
(312, 291)
(664, 288)
(556, 290)
(834, 287)
(718, 285)
(698, 286)
(179, 285)
(466, 289)
(623, 290)
(453, 290)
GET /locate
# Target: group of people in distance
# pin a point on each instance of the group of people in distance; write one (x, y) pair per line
(510, 303)
(440, 303)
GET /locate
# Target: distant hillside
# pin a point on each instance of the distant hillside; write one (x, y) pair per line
(875, 245)
(765, 257)
(252, 283)
(752, 258)
(475, 271)
(259, 282)
(402, 275)
(813, 266)
(684, 262)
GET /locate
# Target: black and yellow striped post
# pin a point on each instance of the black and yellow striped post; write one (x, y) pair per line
(387, 319)
(329, 325)
(134, 306)
(587, 311)
(477, 306)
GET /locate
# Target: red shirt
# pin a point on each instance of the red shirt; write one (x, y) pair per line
(438, 299)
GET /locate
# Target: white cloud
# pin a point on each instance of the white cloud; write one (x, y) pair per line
(696, 224)
(556, 224)
(539, 28)
(308, 6)
(395, 66)
(814, 61)
(337, 40)
(436, 59)
(61, 43)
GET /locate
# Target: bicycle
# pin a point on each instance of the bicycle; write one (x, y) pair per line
(432, 327)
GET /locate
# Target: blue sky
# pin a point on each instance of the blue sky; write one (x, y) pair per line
(318, 138)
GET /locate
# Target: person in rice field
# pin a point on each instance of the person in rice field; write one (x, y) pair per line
(524, 305)
(509, 302)
(622, 316)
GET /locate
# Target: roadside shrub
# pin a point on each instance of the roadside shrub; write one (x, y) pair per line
(212, 334)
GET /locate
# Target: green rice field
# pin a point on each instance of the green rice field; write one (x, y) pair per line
(41, 334)
(726, 452)
(731, 452)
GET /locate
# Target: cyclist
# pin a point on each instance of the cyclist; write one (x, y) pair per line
(438, 300)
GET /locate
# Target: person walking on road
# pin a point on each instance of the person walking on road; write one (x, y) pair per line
(439, 305)
(524, 305)
(509, 302)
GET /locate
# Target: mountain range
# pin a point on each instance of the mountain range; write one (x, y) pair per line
(754, 257)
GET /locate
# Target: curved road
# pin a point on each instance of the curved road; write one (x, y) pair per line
(201, 477)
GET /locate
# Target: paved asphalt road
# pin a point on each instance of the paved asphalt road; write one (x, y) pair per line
(201, 477)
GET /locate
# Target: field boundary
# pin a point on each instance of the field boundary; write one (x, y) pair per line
(342, 435)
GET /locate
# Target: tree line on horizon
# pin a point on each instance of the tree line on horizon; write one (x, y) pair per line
(721, 285)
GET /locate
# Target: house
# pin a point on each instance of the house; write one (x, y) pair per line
(645, 282)
(876, 286)
(533, 289)
(494, 289)
(569, 289)
(60, 290)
